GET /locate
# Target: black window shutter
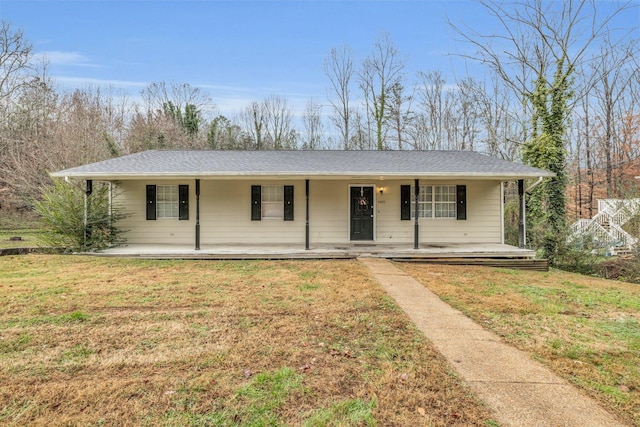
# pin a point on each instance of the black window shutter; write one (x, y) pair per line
(405, 202)
(183, 202)
(151, 202)
(461, 201)
(256, 203)
(288, 202)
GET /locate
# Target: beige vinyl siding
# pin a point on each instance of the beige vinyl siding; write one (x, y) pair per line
(484, 221)
(225, 214)
(390, 229)
(329, 211)
(132, 195)
(483, 224)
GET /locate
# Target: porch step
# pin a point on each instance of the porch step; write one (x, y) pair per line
(516, 264)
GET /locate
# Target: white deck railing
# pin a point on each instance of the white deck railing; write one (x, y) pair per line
(606, 226)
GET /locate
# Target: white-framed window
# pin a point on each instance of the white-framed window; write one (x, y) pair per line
(435, 201)
(272, 202)
(167, 201)
(444, 201)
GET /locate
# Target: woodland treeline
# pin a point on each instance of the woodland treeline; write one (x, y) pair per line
(567, 79)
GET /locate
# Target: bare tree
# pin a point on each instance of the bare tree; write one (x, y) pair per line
(467, 114)
(159, 130)
(15, 69)
(433, 103)
(170, 117)
(30, 148)
(313, 127)
(15, 57)
(380, 72)
(359, 137)
(400, 113)
(613, 74)
(158, 95)
(253, 120)
(82, 127)
(501, 125)
(338, 66)
(277, 120)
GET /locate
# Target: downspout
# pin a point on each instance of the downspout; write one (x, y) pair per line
(534, 185)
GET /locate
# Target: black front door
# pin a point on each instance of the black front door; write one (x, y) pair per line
(361, 213)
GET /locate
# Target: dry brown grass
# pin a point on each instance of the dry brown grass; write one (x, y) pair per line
(586, 329)
(87, 341)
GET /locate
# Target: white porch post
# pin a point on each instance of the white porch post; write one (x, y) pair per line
(87, 202)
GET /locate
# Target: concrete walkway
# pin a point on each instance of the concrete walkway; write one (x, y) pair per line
(520, 391)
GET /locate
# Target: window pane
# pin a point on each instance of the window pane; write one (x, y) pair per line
(273, 210)
(273, 201)
(424, 201)
(445, 201)
(435, 201)
(167, 201)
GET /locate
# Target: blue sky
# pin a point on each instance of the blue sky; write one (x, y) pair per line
(237, 50)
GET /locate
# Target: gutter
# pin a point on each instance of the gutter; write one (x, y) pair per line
(293, 175)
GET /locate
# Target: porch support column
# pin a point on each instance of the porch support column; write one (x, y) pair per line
(87, 203)
(197, 214)
(306, 227)
(416, 227)
(110, 209)
(522, 221)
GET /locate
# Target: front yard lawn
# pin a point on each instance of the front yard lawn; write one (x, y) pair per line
(586, 329)
(98, 341)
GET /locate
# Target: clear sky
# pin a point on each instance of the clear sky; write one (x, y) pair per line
(238, 51)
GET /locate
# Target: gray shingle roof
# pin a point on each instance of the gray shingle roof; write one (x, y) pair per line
(401, 164)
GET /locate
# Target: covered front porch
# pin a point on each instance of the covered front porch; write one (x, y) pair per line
(323, 251)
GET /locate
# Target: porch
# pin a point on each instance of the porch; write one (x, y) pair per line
(322, 251)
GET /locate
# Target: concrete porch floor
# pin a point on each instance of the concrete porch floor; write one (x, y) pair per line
(324, 251)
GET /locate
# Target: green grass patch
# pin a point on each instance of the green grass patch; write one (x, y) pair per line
(352, 412)
(59, 319)
(266, 393)
(17, 344)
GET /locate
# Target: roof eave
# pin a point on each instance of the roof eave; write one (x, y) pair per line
(111, 176)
